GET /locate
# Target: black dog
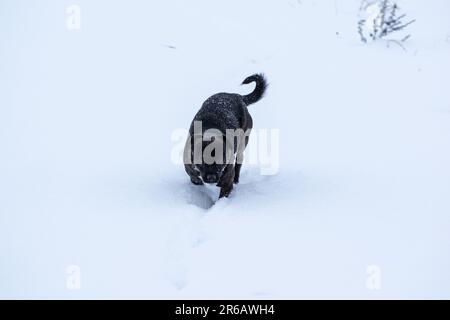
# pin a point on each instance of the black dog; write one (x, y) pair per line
(223, 113)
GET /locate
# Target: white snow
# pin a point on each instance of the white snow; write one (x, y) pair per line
(86, 177)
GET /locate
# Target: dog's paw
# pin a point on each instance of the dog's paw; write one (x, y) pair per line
(225, 192)
(196, 181)
(236, 180)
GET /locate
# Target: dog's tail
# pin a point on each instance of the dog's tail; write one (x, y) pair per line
(260, 89)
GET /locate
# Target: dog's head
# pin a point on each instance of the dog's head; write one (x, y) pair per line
(210, 173)
(214, 157)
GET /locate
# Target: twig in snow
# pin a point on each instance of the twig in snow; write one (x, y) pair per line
(379, 18)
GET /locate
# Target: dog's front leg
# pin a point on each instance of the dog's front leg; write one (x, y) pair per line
(238, 166)
(237, 173)
(193, 174)
(226, 181)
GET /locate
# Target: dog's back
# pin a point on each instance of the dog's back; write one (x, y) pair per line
(222, 111)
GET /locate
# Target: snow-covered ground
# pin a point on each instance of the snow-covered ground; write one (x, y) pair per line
(87, 180)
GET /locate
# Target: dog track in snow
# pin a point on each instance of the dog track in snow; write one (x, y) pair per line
(203, 197)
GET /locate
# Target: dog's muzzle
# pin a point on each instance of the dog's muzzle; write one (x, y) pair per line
(211, 178)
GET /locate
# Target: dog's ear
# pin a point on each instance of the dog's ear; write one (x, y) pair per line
(196, 139)
(196, 149)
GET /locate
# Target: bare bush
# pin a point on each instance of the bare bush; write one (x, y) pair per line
(380, 18)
